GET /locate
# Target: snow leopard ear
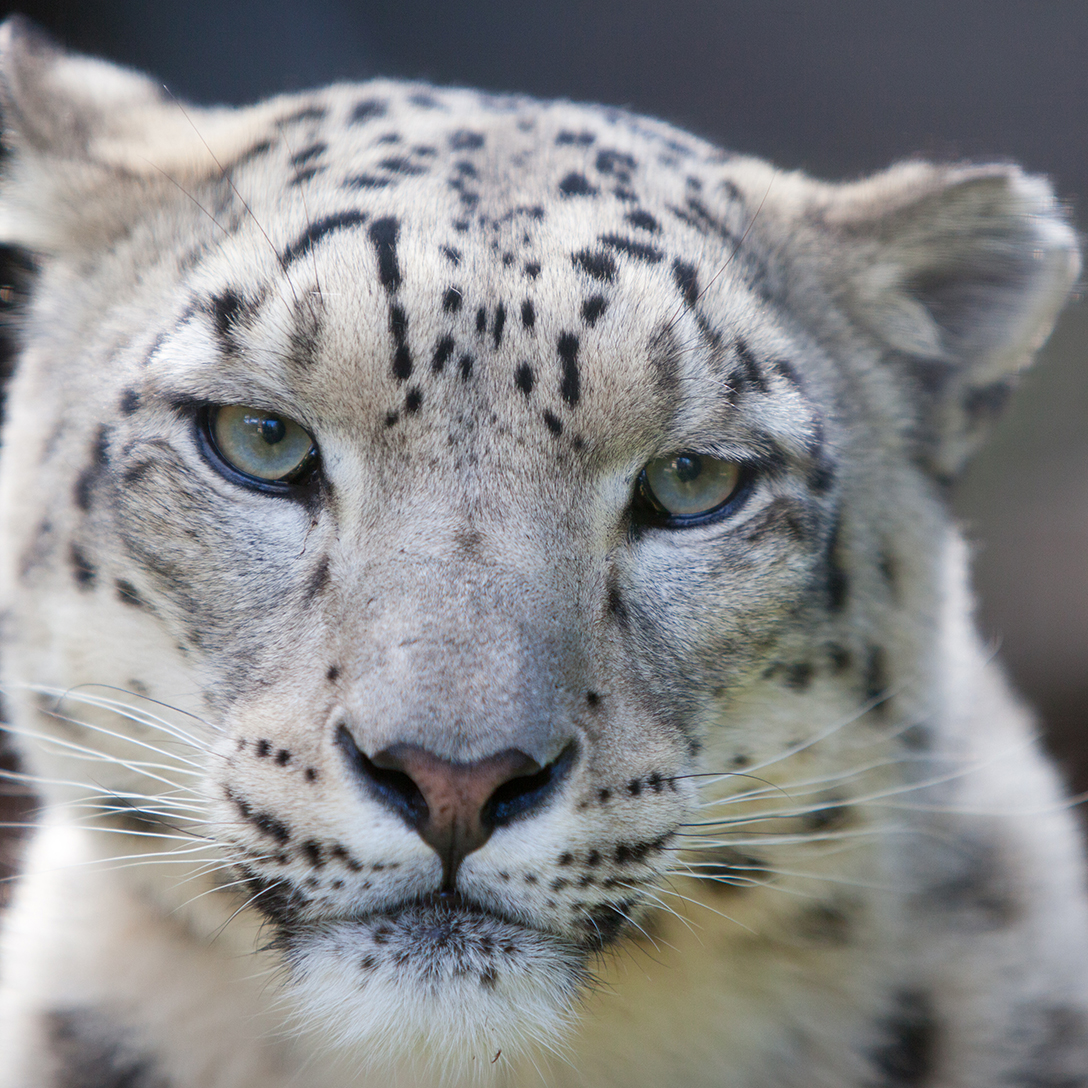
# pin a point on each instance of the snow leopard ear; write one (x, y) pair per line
(956, 272)
(89, 141)
(959, 273)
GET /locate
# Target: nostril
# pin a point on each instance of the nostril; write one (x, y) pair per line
(521, 795)
(392, 786)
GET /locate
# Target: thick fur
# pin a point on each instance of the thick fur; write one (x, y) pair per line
(799, 835)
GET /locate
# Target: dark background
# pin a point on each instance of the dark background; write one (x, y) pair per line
(837, 88)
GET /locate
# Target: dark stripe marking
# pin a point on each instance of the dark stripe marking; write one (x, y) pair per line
(300, 158)
(383, 233)
(442, 352)
(687, 280)
(570, 384)
(316, 231)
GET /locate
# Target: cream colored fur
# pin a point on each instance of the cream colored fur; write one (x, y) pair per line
(799, 833)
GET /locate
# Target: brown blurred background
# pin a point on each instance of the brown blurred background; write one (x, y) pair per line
(837, 88)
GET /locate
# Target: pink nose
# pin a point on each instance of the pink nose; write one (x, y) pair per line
(455, 806)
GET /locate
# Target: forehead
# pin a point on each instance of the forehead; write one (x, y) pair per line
(570, 271)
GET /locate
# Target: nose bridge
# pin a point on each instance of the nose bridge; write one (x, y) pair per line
(463, 659)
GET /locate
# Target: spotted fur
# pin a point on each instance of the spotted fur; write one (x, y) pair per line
(778, 822)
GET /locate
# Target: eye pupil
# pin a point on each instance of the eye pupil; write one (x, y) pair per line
(688, 467)
(272, 429)
(261, 445)
(689, 485)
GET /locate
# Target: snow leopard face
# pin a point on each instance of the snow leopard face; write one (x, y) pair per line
(488, 510)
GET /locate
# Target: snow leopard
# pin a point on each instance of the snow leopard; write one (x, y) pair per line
(479, 604)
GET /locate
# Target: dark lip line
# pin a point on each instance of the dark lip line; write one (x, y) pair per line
(451, 903)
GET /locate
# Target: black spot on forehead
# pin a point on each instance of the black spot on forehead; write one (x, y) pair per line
(465, 140)
(481, 320)
(500, 322)
(575, 184)
(592, 309)
(639, 250)
(528, 314)
(369, 109)
(598, 265)
(578, 139)
(570, 383)
(617, 163)
(300, 158)
(424, 100)
(451, 300)
(523, 378)
(383, 234)
(442, 352)
(365, 181)
(305, 174)
(316, 231)
(553, 423)
(452, 255)
(532, 270)
(644, 220)
(401, 165)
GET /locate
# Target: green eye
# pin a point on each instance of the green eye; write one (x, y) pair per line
(261, 444)
(689, 484)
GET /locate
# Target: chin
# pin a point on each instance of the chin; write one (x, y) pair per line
(438, 981)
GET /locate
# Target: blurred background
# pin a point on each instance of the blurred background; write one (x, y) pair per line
(837, 88)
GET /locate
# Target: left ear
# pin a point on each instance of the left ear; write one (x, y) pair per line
(958, 273)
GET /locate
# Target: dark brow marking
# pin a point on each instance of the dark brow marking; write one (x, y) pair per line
(316, 231)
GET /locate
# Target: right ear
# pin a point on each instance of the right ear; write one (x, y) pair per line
(89, 140)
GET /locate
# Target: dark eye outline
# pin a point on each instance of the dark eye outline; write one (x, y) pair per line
(299, 481)
(647, 511)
